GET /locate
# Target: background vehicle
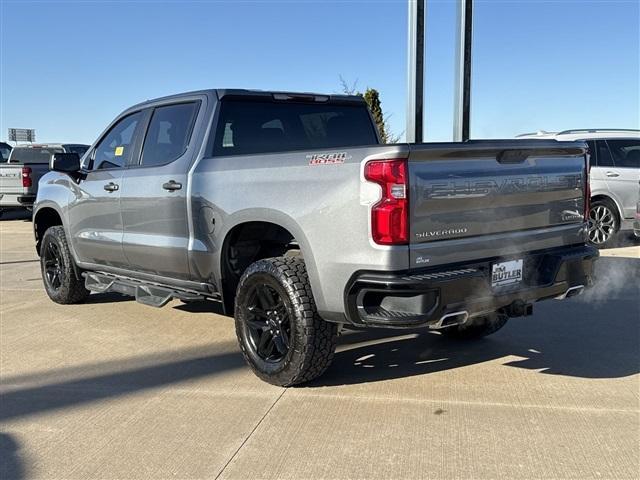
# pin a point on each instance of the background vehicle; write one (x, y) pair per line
(614, 175)
(285, 208)
(5, 150)
(19, 176)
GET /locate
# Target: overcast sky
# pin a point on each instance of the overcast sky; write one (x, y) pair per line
(68, 68)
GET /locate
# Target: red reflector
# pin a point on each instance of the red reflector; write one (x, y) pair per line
(390, 216)
(26, 177)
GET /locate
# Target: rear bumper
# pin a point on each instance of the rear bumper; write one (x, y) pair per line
(403, 300)
(16, 200)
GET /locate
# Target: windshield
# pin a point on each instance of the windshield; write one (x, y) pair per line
(33, 154)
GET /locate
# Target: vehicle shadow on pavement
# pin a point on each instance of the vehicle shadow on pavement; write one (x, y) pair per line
(11, 465)
(16, 214)
(596, 335)
(68, 387)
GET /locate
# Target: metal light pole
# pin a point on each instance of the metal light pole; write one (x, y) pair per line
(462, 107)
(415, 91)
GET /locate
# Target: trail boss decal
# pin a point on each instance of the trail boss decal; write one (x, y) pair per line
(327, 158)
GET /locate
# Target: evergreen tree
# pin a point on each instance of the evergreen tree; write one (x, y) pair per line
(372, 97)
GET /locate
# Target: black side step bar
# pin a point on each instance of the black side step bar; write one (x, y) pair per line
(146, 293)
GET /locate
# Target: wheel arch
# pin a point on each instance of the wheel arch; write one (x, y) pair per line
(601, 196)
(280, 229)
(44, 217)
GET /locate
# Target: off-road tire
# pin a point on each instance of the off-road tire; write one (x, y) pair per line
(71, 288)
(613, 238)
(477, 327)
(312, 340)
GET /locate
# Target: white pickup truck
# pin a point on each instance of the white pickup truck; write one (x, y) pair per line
(19, 176)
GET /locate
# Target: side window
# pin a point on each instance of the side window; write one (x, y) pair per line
(626, 153)
(116, 148)
(168, 134)
(604, 156)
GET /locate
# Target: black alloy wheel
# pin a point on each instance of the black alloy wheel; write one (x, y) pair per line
(53, 265)
(268, 323)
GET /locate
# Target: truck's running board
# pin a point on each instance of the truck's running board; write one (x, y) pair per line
(145, 293)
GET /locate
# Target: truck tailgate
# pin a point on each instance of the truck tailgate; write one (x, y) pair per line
(11, 179)
(484, 188)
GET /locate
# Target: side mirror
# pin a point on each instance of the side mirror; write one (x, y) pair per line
(65, 162)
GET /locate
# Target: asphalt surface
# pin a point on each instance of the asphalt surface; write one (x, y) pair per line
(114, 389)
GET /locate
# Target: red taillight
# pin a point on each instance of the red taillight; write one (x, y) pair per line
(587, 189)
(390, 216)
(26, 177)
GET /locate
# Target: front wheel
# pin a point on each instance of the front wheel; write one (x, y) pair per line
(58, 274)
(281, 335)
(477, 327)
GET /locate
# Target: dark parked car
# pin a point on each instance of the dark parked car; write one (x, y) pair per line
(5, 150)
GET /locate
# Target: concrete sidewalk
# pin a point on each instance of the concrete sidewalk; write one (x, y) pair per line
(114, 389)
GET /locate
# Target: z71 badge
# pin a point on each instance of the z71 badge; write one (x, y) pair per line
(327, 158)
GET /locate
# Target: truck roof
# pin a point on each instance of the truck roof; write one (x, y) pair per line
(51, 145)
(274, 95)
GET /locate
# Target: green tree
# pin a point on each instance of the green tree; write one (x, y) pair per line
(372, 97)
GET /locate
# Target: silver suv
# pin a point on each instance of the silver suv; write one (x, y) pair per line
(615, 172)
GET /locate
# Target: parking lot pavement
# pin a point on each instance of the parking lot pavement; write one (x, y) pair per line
(115, 389)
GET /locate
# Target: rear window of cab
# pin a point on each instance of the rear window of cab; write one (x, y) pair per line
(249, 127)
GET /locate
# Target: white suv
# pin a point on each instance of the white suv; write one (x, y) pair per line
(615, 173)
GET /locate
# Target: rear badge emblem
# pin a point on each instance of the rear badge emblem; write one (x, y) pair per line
(327, 158)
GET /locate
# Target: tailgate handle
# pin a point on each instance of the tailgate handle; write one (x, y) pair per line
(512, 156)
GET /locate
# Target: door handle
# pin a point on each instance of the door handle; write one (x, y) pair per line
(111, 187)
(172, 185)
(612, 174)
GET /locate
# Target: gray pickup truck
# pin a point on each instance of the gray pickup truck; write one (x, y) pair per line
(287, 210)
(25, 165)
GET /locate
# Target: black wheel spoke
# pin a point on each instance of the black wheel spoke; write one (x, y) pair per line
(280, 308)
(280, 345)
(264, 297)
(285, 338)
(257, 312)
(265, 347)
(257, 324)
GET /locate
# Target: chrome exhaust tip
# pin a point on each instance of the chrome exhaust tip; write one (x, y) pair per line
(451, 319)
(571, 292)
